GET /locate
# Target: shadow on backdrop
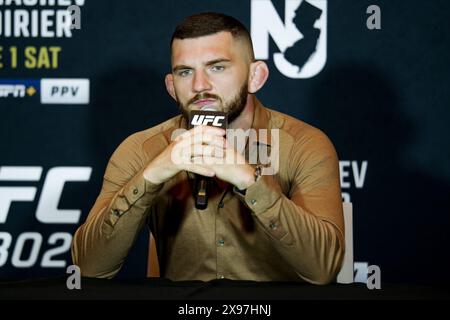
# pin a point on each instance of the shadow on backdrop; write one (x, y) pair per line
(403, 225)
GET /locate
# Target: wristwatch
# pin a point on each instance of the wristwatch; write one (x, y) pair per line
(257, 174)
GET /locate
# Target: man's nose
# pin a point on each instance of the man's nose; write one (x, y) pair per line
(201, 82)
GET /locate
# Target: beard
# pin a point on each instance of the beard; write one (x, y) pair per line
(233, 109)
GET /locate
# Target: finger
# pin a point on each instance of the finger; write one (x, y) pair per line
(208, 160)
(209, 130)
(184, 156)
(202, 138)
(217, 141)
(201, 129)
(203, 150)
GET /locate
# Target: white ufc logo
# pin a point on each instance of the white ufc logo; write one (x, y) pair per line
(47, 209)
(301, 38)
(200, 119)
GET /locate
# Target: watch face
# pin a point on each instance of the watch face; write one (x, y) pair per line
(258, 170)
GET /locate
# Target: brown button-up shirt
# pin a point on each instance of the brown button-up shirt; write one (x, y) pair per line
(287, 226)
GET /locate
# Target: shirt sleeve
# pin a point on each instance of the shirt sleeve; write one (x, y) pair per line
(101, 244)
(306, 225)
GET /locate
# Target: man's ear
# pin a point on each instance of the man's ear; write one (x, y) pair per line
(259, 72)
(169, 85)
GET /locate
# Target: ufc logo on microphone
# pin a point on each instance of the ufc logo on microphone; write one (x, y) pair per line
(201, 119)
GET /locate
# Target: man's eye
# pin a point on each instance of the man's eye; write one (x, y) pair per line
(217, 68)
(184, 73)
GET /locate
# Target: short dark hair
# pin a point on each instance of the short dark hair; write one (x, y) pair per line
(207, 23)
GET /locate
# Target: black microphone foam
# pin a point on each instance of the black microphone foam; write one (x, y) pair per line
(210, 117)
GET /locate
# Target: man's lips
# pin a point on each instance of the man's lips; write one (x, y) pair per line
(203, 102)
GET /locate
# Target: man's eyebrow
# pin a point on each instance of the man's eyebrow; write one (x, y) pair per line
(211, 62)
(208, 63)
(180, 67)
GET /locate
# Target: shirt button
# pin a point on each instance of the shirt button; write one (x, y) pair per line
(220, 204)
(135, 191)
(116, 212)
(253, 201)
(221, 242)
(273, 226)
(221, 277)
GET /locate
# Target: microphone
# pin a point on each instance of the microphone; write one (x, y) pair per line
(209, 116)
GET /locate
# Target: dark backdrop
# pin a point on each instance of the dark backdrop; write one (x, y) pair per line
(382, 97)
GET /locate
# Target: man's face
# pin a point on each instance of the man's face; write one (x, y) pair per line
(210, 71)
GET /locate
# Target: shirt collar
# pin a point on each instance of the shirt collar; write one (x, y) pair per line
(261, 123)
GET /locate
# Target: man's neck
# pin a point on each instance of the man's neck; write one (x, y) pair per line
(245, 119)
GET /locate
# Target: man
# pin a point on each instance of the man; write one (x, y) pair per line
(284, 226)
